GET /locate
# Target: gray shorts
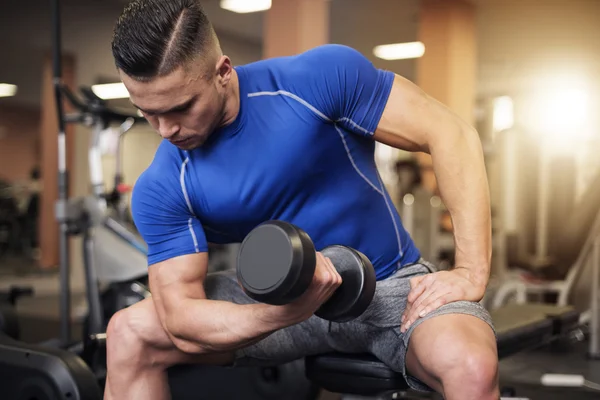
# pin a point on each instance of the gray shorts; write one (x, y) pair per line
(377, 331)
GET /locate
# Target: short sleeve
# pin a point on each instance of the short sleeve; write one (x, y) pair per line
(163, 219)
(345, 86)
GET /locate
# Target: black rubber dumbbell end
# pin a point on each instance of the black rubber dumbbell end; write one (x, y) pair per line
(357, 290)
(276, 263)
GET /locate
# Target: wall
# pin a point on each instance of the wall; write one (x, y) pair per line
(19, 141)
(523, 42)
(534, 51)
(364, 24)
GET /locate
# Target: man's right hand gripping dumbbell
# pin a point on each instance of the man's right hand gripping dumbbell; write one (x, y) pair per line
(278, 264)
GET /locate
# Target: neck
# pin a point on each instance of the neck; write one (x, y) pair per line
(232, 101)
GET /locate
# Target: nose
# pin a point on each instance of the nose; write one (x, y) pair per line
(167, 128)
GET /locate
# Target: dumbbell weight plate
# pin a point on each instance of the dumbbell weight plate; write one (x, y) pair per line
(356, 292)
(276, 263)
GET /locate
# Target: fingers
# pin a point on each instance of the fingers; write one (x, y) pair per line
(411, 313)
(424, 297)
(422, 288)
(418, 285)
(337, 274)
(327, 278)
(434, 304)
(328, 272)
(430, 301)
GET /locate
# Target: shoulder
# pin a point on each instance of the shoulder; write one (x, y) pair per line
(160, 181)
(309, 64)
(165, 165)
(324, 55)
(337, 53)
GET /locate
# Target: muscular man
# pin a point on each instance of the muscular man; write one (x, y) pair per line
(292, 139)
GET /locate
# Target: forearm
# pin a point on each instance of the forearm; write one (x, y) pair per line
(460, 170)
(206, 326)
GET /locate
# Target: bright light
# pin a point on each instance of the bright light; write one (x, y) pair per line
(399, 51)
(245, 6)
(7, 90)
(111, 91)
(563, 114)
(504, 117)
(565, 110)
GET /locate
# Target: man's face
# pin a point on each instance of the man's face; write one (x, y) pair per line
(184, 107)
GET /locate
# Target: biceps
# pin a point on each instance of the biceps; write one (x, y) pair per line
(175, 280)
(412, 120)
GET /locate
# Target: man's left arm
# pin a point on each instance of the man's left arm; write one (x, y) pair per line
(414, 121)
(350, 91)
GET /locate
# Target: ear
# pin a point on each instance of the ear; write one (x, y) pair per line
(224, 70)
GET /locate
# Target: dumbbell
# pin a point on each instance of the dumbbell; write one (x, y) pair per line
(276, 264)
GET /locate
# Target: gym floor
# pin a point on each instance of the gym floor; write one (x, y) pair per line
(38, 318)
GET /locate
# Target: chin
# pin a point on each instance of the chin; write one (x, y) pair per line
(193, 143)
(189, 146)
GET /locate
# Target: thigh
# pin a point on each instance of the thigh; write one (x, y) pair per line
(378, 332)
(285, 345)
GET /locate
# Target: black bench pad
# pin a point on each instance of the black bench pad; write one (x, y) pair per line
(360, 374)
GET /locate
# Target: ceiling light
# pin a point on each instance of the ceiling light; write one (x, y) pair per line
(7, 90)
(245, 6)
(400, 51)
(110, 91)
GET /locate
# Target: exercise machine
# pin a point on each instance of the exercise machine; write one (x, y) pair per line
(114, 255)
(37, 372)
(9, 323)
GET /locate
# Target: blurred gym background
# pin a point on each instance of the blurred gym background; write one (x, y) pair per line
(525, 73)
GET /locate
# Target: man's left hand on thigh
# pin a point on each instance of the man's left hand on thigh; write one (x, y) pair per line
(430, 292)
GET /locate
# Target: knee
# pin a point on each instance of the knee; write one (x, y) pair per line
(125, 342)
(475, 364)
(480, 365)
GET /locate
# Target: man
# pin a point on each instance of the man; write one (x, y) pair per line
(292, 139)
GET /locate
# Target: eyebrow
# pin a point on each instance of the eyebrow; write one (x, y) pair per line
(177, 108)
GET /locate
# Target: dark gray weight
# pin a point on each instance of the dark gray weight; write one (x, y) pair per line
(356, 292)
(276, 263)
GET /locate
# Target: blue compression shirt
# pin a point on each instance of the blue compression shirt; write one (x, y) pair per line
(301, 150)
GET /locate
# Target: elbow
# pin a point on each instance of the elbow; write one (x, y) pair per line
(466, 132)
(176, 328)
(189, 347)
(473, 141)
(462, 137)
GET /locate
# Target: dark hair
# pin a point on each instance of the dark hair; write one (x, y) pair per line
(154, 37)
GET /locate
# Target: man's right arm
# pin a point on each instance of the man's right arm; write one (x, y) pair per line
(178, 266)
(199, 325)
